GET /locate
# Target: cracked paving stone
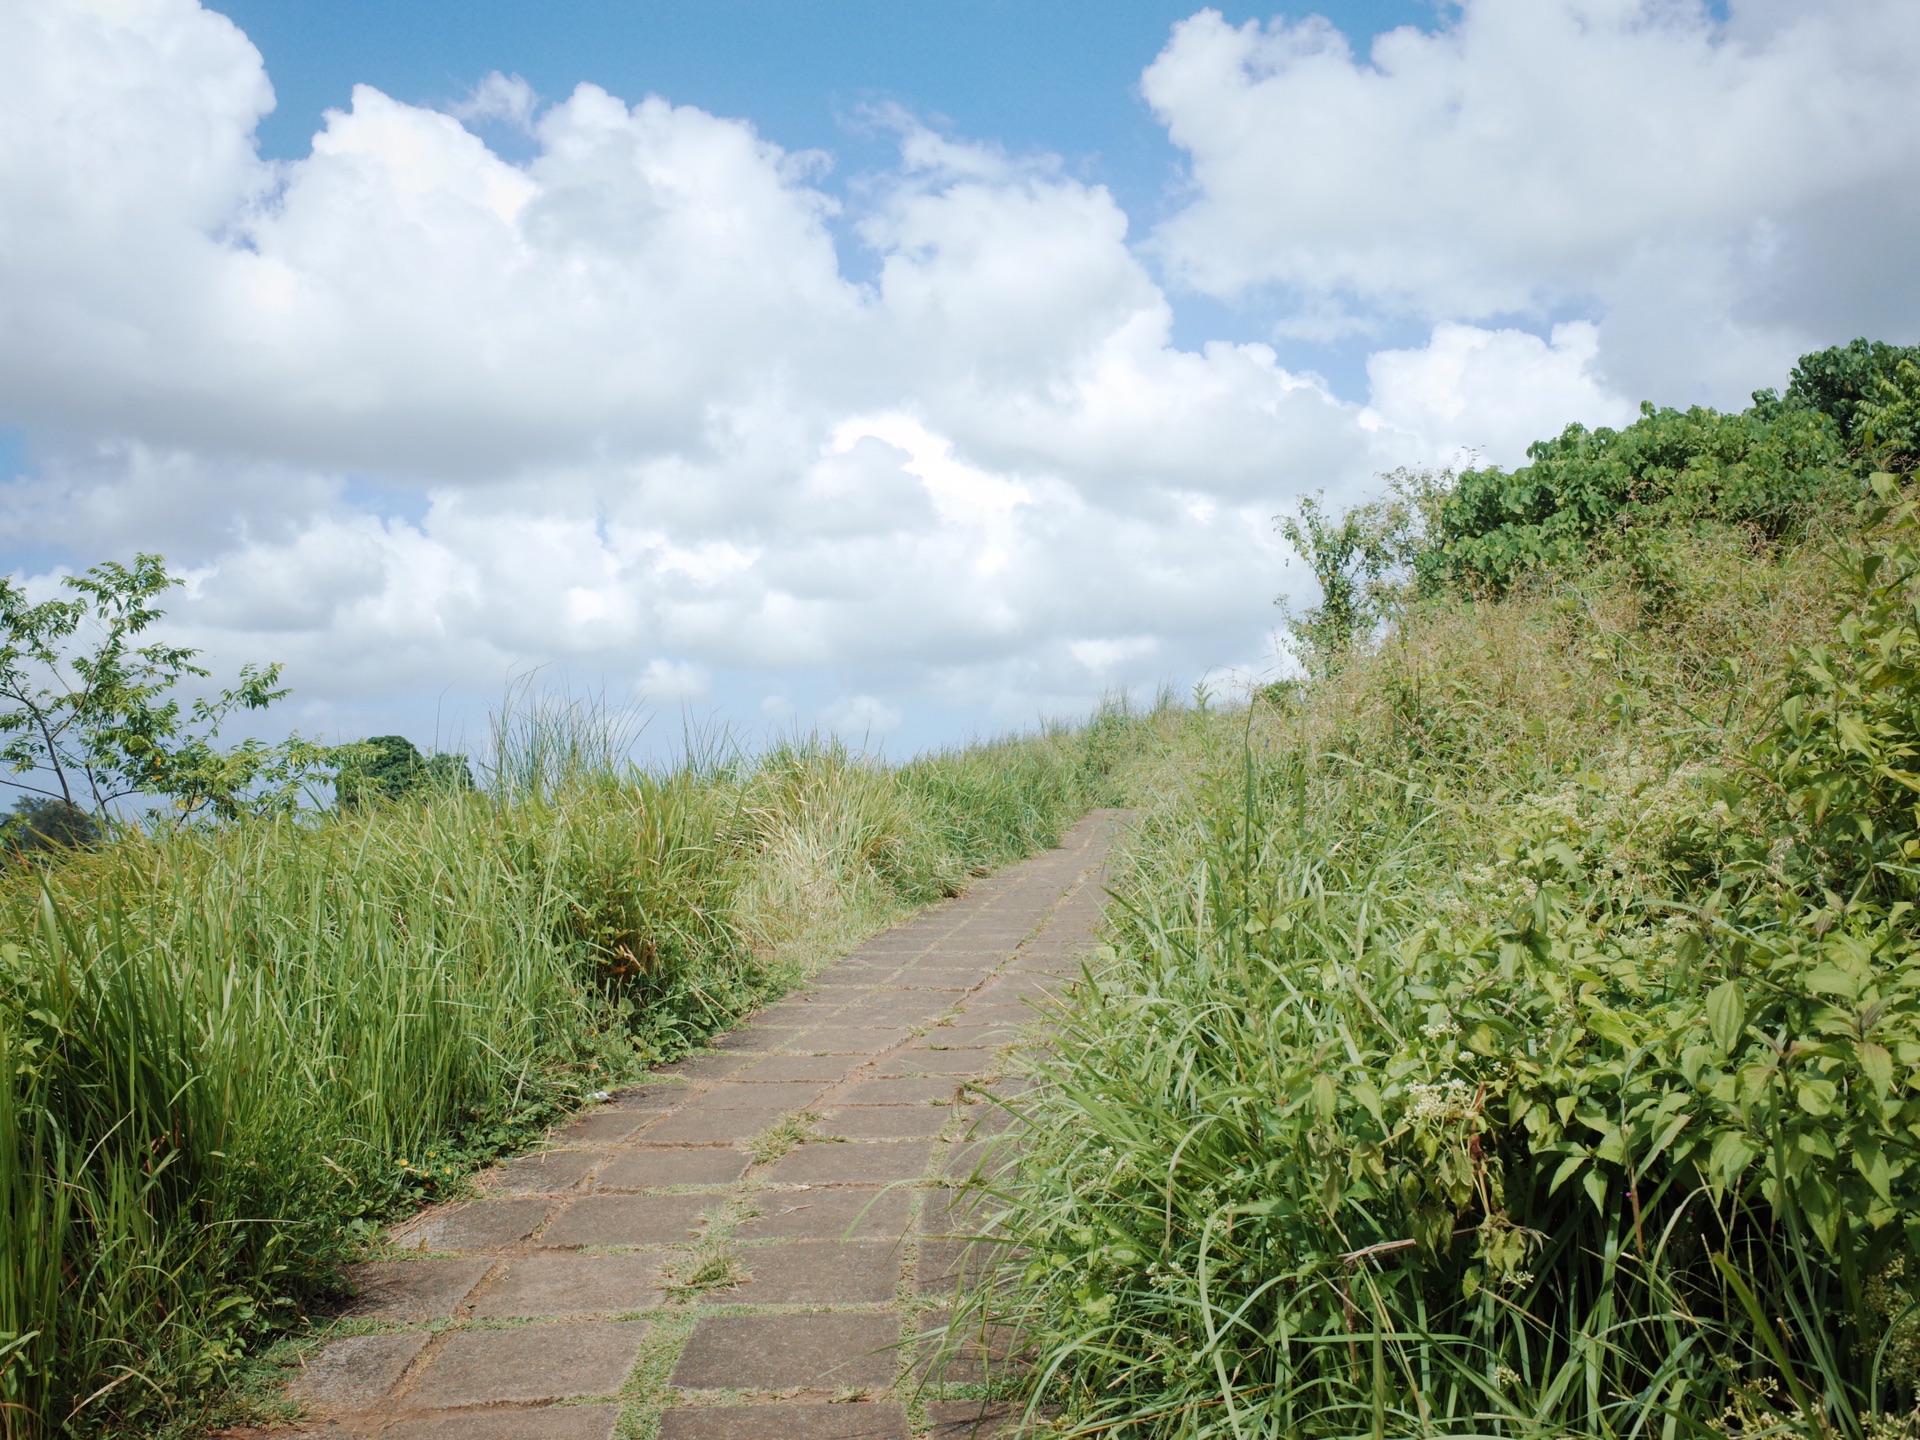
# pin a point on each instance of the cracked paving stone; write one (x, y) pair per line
(884, 1122)
(813, 1272)
(785, 1352)
(553, 1422)
(873, 1163)
(630, 1220)
(829, 1214)
(649, 1167)
(475, 1225)
(714, 1127)
(862, 1421)
(412, 1289)
(606, 1127)
(354, 1372)
(571, 1285)
(545, 1173)
(529, 1363)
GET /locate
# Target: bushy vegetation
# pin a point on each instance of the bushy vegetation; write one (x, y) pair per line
(1515, 1028)
(231, 1048)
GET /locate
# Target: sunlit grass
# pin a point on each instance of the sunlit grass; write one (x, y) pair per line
(236, 1050)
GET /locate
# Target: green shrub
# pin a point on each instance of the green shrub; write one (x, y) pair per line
(1767, 468)
(1515, 1030)
(391, 767)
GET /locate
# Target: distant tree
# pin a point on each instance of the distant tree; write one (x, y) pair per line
(391, 767)
(87, 716)
(40, 824)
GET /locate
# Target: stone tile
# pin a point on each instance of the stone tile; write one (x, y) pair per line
(354, 1372)
(975, 1159)
(987, 1119)
(970, 1419)
(1021, 987)
(876, 1163)
(968, 1037)
(529, 1363)
(912, 1007)
(571, 1285)
(604, 1127)
(1006, 1087)
(780, 1095)
(546, 1173)
(1007, 1017)
(943, 1263)
(898, 1090)
(818, 1272)
(476, 1225)
(865, 1421)
(705, 1066)
(843, 983)
(412, 1289)
(656, 1095)
(783, 1352)
(556, 1422)
(805, 1009)
(714, 1127)
(784, 1068)
(884, 1122)
(958, 1212)
(946, 977)
(654, 1167)
(829, 1214)
(760, 1040)
(937, 1062)
(838, 1040)
(630, 1220)
(970, 1356)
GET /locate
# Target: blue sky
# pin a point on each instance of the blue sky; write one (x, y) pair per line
(987, 417)
(1054, 75)
(1057, 77)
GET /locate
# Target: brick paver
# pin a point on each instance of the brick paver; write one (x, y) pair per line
(561, 1300)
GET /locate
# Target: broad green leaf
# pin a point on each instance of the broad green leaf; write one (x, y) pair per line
(1726, 1015)
(1829, 979)
(1876, 1064)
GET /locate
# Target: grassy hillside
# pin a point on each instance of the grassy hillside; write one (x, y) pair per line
(1514, 1028)
(231, 1050)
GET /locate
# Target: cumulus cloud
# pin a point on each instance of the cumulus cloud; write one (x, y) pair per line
(1724, 188)
(1473, 396)
(417, 417)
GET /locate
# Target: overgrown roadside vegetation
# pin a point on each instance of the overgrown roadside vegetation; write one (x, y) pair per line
(1513, 1028)
(232, 1048)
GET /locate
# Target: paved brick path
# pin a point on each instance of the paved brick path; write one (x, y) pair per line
(549, 1308)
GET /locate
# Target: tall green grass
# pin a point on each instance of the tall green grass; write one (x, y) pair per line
(1514, 1031)
(231, 1051)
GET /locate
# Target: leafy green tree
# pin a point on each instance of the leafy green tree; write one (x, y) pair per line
(1846, 382)
(391, 767)
(1847, 410)
(1361, 560)
(87, 716)
(38, 823)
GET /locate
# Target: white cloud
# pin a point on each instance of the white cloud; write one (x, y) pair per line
(1482, 396)
(1529, 155)
(420, 418)
(674, 682)
(861, 719)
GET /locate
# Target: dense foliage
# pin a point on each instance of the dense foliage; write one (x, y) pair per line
(1516, 1029)
(1768, 468)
